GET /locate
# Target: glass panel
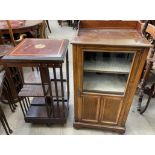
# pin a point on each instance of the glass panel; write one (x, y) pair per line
(106, 71)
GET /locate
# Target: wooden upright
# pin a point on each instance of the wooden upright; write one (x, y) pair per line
(108, 58)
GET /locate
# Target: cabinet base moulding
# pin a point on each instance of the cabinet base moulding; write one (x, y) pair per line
(118, 129)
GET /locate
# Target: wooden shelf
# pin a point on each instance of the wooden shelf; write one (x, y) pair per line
(36, 90)
(110, 65)
(39, 101)
(37, 112)
(105, 83)
(32, 90)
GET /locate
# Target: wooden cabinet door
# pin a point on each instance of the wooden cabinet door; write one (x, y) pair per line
(110, 110)
(89, 108)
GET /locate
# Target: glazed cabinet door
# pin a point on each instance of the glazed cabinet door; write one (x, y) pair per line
(89, 107)
(106, 72)
(110, 110)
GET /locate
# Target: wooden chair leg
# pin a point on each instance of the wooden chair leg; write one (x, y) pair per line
(10, 102)
(143, 84)
(6, 123)
(4, 126)
(42, 30)
(9, 97)
(151, 94)
(143, 109)
(141, 94)
(11, 107)
(47, 23)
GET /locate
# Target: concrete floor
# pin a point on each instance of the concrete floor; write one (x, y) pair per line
(136, 123)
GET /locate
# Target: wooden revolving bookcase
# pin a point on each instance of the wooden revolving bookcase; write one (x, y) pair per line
(50, 97)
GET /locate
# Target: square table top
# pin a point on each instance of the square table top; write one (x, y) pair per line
(38, 50)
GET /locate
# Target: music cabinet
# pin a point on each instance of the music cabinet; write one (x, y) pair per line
(108, 58)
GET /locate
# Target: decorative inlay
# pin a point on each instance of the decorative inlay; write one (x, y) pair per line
(40, 46)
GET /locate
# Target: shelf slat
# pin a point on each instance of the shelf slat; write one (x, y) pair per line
(106, 83)
(108, 65)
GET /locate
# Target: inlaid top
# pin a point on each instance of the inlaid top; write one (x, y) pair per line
(39, 49)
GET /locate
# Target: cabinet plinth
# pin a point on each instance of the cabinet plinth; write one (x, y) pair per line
(108, 58)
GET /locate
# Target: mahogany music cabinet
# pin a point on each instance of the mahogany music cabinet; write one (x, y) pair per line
(50, 103)
(108, 58)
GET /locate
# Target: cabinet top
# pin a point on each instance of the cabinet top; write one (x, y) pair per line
(111, 33)
(38, 50)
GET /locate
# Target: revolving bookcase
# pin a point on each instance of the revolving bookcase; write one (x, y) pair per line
(47, 101)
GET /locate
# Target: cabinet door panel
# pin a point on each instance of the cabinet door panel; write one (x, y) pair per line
(89, 108)
(110, 110)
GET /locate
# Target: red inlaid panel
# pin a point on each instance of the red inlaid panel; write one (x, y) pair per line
(40, 48)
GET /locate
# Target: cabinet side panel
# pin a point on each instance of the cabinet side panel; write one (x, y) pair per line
(75, 81)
